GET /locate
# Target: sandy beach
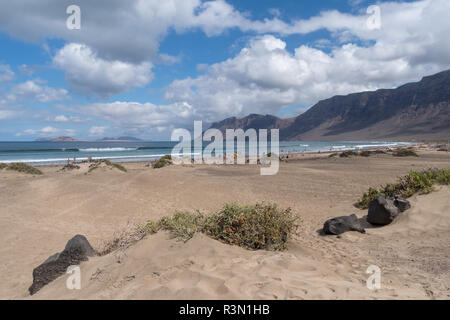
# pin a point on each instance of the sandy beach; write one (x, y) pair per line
(39, 214)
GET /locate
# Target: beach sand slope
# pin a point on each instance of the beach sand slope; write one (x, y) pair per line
(40, 214)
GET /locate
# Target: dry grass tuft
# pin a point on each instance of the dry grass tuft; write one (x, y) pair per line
(25, 168)
(402, 152)
(123, 239)
(97, 164)
(116, 165)
(163, 161)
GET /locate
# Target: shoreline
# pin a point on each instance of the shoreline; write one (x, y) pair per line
(153, 158)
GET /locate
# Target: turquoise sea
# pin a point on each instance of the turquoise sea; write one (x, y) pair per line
(41, 153)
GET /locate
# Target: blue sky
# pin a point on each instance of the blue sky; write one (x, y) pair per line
(144, 67)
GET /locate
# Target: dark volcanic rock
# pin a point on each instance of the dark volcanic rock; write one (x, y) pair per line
(402, 204)
(340, 225)
(382, 211)
(77, 250)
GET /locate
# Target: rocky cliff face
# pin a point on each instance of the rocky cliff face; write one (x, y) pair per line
(413, 111)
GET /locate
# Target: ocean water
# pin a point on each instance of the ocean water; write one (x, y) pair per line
(41, 153)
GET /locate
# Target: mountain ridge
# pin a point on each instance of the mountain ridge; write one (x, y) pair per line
(416, 110)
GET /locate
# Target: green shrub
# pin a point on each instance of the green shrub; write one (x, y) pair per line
(364, 153)
(407, 186)
(3, 166)
(408, 152)
(350, 153)
(120, 167)
(182, 225)
(163, 161)
(252, 227)
(441, 176)
(159, 164)
(115, 165)
(347, 154)
(97, 164)
(152, 226)
(363, 203)
(378, 151)
(411, 184)
(23, 167)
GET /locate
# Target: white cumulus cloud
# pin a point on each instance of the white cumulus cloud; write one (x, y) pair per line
(264, 76)
(6, 74)
(64, 118)
(140, 117)
(88, 73)
(32, 89)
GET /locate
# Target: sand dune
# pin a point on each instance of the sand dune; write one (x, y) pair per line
(162, 268)
(38, 215)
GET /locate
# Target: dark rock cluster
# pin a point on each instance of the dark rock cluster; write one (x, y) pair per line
(340, 225)
(78, 249)
(382, 211)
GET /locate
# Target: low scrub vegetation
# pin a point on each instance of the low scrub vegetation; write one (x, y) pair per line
(252, 227)
(348, 153)
(407, 186)
(402, 152)
(183, 225)
(3, 166)
(115, 165)
(365, 153)
(163, 161)
(97, 164)
(363, 202)
(23, 167)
